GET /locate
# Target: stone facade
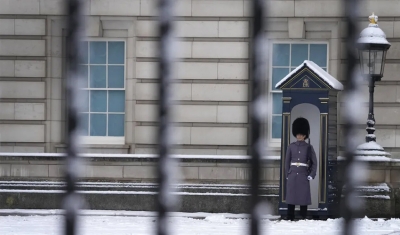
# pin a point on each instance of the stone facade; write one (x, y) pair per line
(212, 73)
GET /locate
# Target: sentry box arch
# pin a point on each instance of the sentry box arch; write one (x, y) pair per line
(310, 92)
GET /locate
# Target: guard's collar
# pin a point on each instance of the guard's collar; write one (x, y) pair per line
(301, 142)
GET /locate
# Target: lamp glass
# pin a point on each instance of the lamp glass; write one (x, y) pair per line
(372, 62)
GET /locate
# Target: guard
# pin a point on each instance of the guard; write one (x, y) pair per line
(301, 167)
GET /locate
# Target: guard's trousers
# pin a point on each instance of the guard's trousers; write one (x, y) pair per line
(290, 214)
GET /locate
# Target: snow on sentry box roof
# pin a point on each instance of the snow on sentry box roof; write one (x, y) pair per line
(325, 76)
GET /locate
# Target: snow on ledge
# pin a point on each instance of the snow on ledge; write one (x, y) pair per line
(368, 158)
(128, 213)
(372, 145)
(177, 156)
(375, 188)
(376, 196)
(373, 153)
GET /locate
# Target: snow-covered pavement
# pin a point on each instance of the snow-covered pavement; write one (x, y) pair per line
(141, 223)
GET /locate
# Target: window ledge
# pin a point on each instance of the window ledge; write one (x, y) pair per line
(274, 144)
(100, 140)
(98, 146)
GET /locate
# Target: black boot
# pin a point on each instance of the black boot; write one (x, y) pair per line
(303, 212)
(290, 212)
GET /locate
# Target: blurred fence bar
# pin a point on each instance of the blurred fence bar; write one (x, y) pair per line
(256, 113)
(75, 24)
(350, 204)
(164, 166)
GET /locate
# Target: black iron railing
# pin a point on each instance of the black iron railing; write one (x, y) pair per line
(164, 170)
(257, 117)
(71, 202)
(164, 167)
(351, 205)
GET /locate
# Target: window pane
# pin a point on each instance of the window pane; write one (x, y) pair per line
(277, 103)
(85, 52)
(277, 75)
(116, 76)
(98, 52)
(116, 52)
(318, 54)
(280, 55)
(98, 101)
(84, 96)
(116, 101)
(84, 124)
(98, 76)
(299, 54)
(116, 125)
(98, 124)
(83, 70)
(277, 127)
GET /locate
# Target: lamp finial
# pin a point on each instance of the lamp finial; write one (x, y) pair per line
(373, 19)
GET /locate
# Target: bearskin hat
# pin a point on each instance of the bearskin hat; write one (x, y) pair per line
(301, 126)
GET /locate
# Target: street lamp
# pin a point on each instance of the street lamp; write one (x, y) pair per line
(372, 47)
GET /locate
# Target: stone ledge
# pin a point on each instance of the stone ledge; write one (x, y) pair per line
(131, 196)
(220, 198)
(4, 157)
(141, 167)
(134, 167)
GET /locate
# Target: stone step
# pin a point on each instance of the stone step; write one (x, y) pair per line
(139, 187)
(132, 196)
(214, 198)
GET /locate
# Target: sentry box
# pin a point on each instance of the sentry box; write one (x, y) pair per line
(310, 92)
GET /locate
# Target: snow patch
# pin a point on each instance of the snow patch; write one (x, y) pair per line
(185, 224)
(375, 188)
(373, 34)
(372, 145)
(216, 218)
(366, 219)
(125, 185)
(139, 156)
(200, 215)
(333, 82)
(368, 158)
(128, 192)
(377, 196)
(373, 155)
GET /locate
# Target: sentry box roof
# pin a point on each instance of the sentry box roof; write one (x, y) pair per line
(309, 75)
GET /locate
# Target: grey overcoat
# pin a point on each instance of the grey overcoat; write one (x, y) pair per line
(297, 184)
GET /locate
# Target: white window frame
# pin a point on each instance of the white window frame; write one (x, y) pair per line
(276, 142)
(108, 140)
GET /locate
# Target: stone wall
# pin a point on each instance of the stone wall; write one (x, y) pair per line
(212, 73)
(141, 167)
(136, 168)
(23, 85)
(203, 183)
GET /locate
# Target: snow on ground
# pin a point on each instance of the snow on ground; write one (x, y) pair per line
(185, 224)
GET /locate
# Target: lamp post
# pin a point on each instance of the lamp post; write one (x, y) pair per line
(372, 47)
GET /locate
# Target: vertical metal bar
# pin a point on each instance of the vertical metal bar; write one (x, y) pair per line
(256, 115)
(75, 21)
(351, 206)
(164, 166)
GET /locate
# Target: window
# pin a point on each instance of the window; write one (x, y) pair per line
(285, 58)
(104, 89)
